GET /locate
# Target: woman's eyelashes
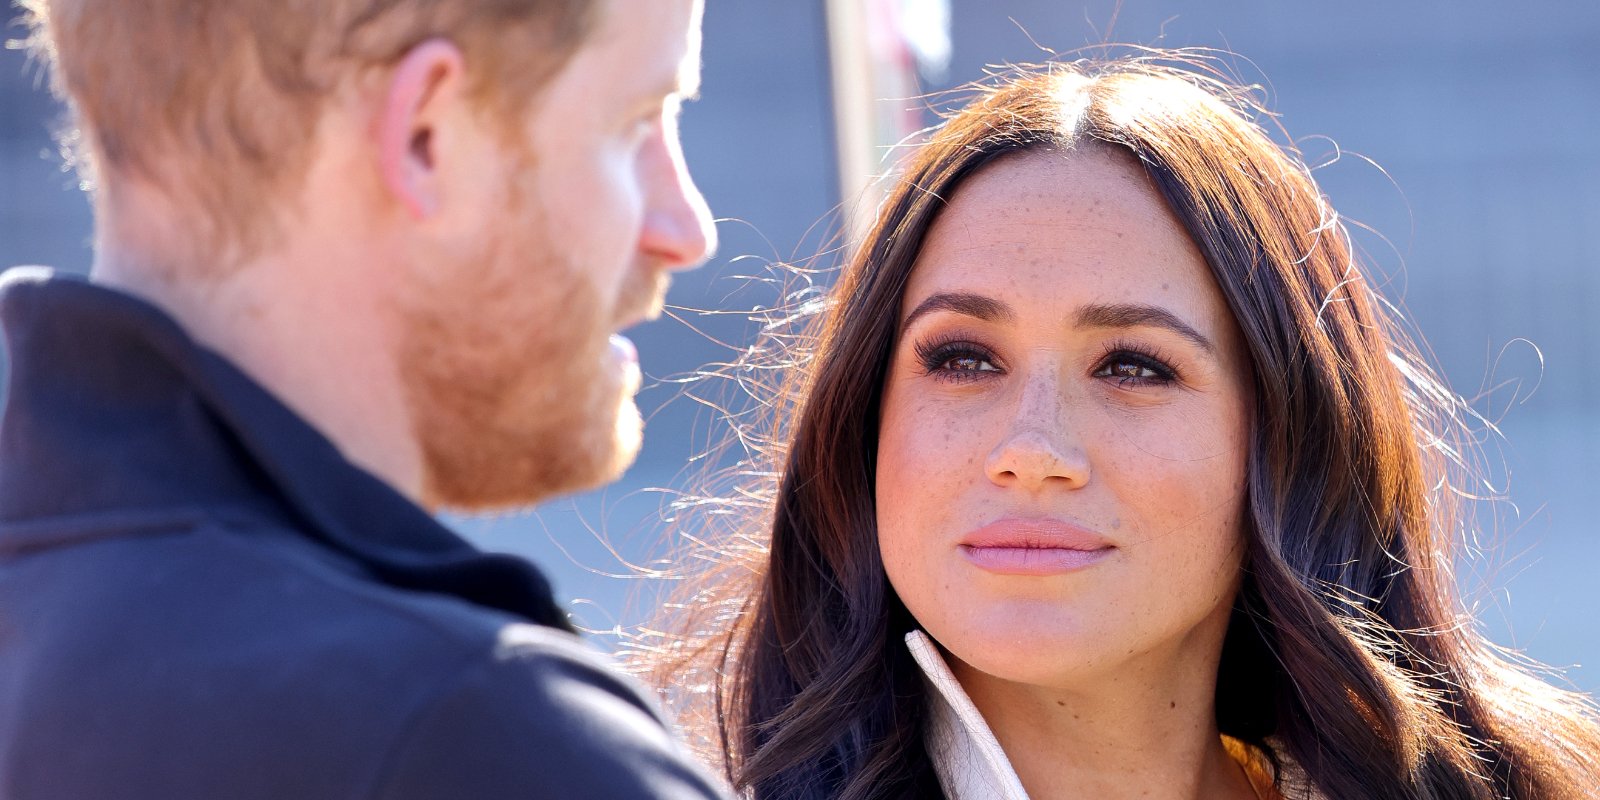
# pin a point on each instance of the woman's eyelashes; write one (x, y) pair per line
(956, 359)
(1133, 366)
(960, 359)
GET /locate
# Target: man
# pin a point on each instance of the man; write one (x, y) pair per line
(356, 260)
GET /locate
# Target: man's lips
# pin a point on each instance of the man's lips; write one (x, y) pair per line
(622, 348)
(1033, 547)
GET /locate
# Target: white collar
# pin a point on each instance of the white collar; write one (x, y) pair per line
(965, 754)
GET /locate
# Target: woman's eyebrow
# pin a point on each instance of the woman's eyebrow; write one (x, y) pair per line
(980, 306)
(1130, 315)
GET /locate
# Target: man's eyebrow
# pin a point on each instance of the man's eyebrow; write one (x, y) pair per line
(980, 306)
(1130, 315)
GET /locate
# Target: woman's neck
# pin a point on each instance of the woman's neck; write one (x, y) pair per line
(1145, 730)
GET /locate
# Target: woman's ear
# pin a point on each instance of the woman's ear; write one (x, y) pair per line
(427, 86)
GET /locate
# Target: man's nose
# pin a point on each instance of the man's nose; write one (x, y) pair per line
(678, 230)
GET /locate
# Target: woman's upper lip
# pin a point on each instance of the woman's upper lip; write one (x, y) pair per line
(1040, 534)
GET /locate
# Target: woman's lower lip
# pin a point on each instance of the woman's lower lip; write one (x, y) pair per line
(1032, 560)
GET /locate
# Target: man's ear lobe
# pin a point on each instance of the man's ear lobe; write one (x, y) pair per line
(427, 82)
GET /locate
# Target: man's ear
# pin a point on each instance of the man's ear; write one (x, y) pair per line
(426, 86)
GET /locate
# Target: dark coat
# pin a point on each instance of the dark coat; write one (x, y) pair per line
(201, 598)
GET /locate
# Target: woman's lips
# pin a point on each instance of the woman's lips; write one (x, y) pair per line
(1033, 547)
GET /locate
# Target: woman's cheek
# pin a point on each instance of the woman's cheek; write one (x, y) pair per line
(918, 483)
(1179, 432)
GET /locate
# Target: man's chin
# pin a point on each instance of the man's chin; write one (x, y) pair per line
(612, 458)
(627, 439)
(559, 460)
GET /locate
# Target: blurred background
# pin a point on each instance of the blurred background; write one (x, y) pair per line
(1463, 132)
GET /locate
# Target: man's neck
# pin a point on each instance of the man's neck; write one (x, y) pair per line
(300, 323)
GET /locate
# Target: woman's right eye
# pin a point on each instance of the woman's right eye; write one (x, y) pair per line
(958, 361)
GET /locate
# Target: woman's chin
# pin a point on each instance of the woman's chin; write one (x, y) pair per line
(1029, 649)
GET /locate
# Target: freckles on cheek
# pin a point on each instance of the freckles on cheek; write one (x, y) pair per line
(927, 461)
(914, 429)
(1192, 488)
(1183, 436)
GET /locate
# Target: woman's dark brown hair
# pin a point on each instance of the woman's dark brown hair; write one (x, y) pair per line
(1349, 653)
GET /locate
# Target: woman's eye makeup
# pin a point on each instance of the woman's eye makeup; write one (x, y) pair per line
(956, 359)
(959, 359)
(1133, 366)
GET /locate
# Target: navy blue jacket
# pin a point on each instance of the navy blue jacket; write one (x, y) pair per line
(201, 598)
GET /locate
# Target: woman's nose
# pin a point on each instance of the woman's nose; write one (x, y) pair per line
(1038, 447)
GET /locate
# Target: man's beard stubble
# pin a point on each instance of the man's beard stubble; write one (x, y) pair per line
(509, 384)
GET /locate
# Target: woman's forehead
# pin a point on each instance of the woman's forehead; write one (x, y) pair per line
(1052, 226)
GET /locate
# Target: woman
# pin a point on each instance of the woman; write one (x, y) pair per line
(1108, 476)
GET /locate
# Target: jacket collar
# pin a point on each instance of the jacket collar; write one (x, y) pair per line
(968, 759)
(114, 413)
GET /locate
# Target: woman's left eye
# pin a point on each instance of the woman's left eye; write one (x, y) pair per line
(1134, 369)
